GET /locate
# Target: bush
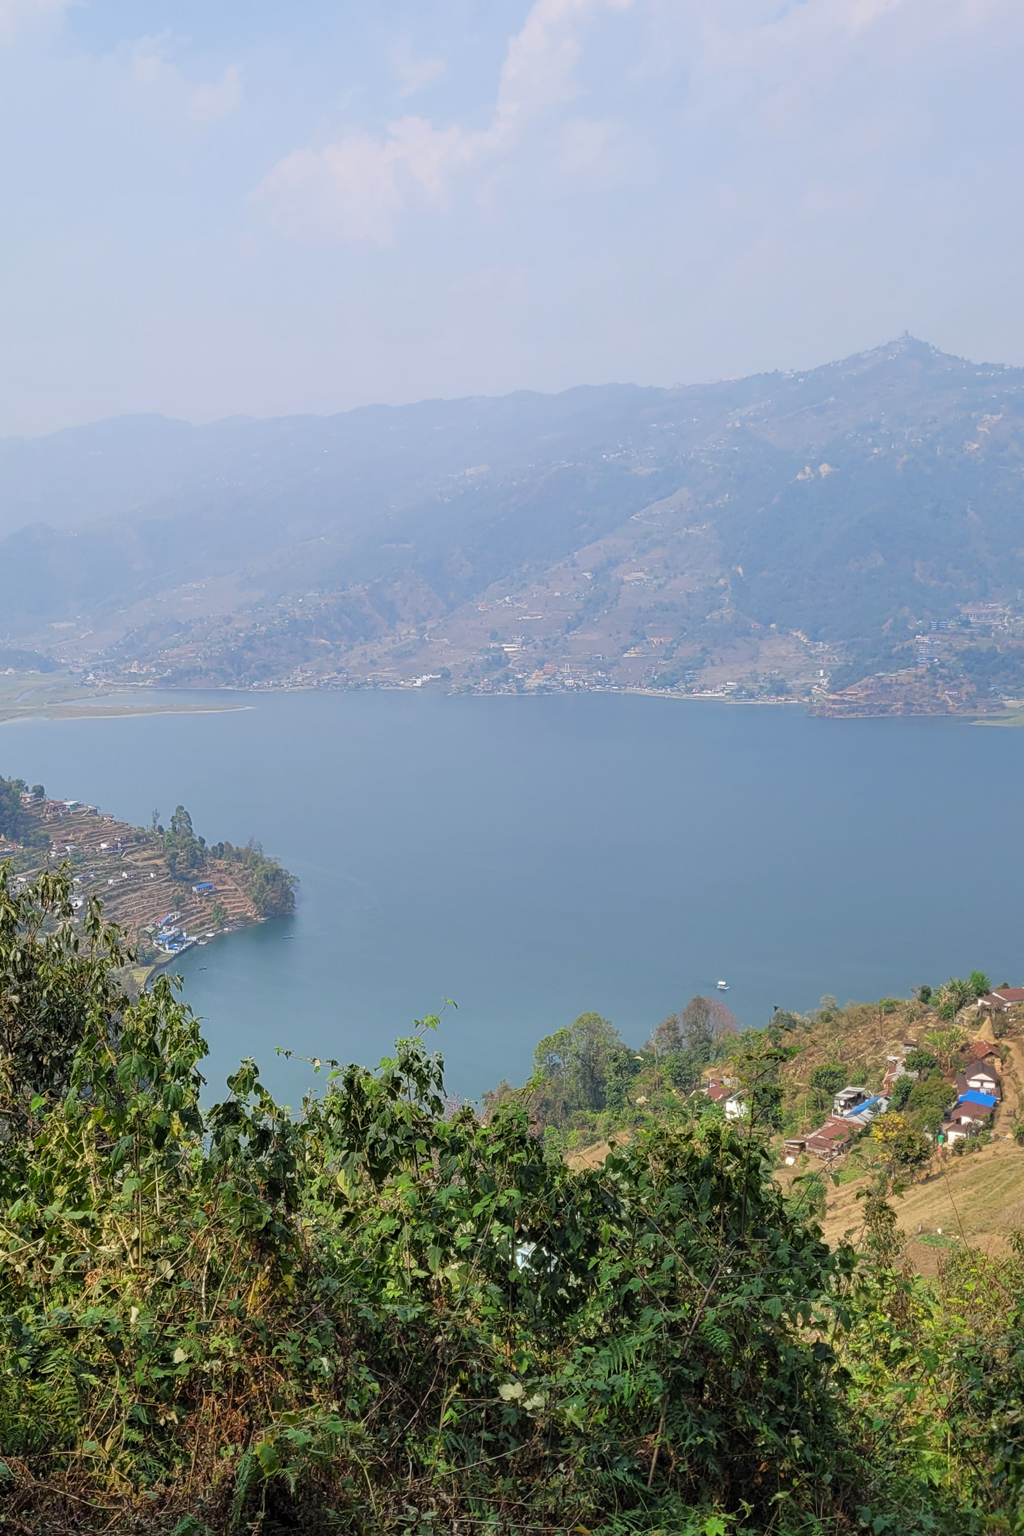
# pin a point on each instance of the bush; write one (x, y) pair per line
(383, 1314)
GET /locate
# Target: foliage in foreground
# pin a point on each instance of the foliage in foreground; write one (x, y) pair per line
(370, 1317)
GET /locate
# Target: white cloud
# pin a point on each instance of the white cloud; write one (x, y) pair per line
(594, 153)
(17, 14)
(355, 188)
(162, 91)
(412, 72)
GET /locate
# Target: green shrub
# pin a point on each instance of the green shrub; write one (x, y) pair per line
(383, 1314)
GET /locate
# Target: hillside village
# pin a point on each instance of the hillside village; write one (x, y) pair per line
(767, 539)
(166, 904)
(923, 1097)
(938, 1100)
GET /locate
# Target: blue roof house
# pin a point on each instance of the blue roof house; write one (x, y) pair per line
(984, 1100)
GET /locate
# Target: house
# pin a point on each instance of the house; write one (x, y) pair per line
(983, 1079)
(960, 1132)
(831, 1138)
(864, 1113)
(1001, 1000)
(969, 1114)
(987, 1051)
(966, 1120)
(717, 1091)
(204, 888)
(975, 1100)
(728, 1095)
(849, 1098)
(895, 1067)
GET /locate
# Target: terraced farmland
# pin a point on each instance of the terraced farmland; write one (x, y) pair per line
(126, 867)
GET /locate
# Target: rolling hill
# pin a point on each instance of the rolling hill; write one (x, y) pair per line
(777, 535)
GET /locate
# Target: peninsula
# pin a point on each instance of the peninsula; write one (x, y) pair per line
(165, 887)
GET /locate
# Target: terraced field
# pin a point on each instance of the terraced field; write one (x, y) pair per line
(126, 868)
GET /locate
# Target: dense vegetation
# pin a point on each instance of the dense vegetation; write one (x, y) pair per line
(588, 1082)
(381, 1314)
(17, 824)
(268, 885)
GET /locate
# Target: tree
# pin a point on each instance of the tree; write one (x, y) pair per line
(621, 1070)
(667, 1036)
(17, 824)
(690, 1040)
(184, 851)
(927, 1103)
(901, 1146)
(956, 994)
(979, 983)
(945, 1044)
(268, 885)
(920, 1061)
(829, 1077)
(56, 989)
(759, 1060)
(901, 1090)
(703, 1023)
(317, 1320)
(577, 1060)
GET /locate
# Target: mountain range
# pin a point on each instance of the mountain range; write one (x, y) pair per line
(787, 531)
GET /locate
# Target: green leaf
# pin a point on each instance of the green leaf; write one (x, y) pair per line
(266, 1455)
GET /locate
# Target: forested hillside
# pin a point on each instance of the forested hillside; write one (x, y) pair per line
(385, 1314)
(766, 533)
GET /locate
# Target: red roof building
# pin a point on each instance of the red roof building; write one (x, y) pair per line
(830, 1138)
(1001, 1000)
(985, 1051)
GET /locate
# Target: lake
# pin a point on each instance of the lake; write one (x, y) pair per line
(532, 857)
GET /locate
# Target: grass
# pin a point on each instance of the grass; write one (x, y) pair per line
(59, 696)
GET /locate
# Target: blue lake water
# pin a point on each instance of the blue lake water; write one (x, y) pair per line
(535, 857)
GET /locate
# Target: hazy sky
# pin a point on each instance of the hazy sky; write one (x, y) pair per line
(214, 207)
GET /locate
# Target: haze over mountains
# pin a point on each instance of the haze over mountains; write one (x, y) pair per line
(793, 525)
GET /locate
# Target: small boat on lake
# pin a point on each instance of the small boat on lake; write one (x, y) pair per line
(723, 986)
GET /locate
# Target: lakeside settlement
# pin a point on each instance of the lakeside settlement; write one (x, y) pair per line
(165, 888)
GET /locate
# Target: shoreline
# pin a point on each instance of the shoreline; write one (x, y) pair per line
(114, 712)
(1010, 717)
